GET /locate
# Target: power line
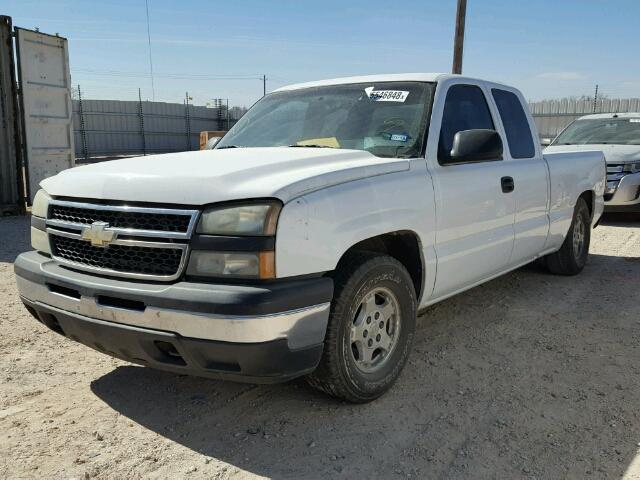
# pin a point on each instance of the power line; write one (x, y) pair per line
(119, 73)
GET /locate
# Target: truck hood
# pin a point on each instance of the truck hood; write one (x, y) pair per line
(209, 176)
(612, 153)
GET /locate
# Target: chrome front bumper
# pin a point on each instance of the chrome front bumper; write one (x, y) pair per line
(236, 314)
(626, 192)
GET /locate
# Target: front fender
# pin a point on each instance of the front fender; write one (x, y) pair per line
(314, 231)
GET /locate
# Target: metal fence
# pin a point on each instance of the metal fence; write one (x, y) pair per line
(107, 128)
(552, 116)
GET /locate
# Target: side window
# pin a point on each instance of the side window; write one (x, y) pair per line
(515, 124)
(465, 108)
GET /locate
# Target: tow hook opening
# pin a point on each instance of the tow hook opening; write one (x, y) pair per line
(122, 303)
(64, 291)
(169, 353)
(51, 322)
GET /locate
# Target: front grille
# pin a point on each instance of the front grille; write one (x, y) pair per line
(143, 242)
(160, 222)
(161, 262)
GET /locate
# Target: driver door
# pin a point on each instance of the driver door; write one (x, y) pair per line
(474, 213)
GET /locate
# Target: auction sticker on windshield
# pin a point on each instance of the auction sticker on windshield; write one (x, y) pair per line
(386, 95)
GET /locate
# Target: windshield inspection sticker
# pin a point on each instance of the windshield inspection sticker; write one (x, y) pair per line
(386, 95)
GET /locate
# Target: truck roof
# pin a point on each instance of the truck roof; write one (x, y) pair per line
(595, 116)
(395, 77)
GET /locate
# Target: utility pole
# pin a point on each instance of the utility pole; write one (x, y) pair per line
(264, 85)
(458, 45)
(83, 132)
(153, 88)
(141, 120)
(187, 119)
(595, 100)
(227, 114)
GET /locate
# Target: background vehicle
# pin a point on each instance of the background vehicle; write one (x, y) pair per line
(618, 136)
(307, 240)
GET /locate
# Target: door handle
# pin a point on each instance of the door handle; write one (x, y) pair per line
(507, 184)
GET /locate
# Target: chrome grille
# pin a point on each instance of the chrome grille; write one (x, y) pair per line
(118, 258)
(144, 242)
(161, 222)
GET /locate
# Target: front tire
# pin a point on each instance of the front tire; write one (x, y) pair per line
(572, 256)
(371, 328)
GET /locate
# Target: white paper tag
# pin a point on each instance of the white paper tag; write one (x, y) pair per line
(386, 95)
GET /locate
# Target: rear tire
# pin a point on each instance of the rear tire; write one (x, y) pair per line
(371, 328)
(572, 256)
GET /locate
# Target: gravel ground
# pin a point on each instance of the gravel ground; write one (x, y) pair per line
(527, 376)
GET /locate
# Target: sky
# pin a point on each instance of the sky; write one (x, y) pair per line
(221, 49)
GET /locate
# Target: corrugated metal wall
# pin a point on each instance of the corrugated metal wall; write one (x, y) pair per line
(552, 116)
(113, 127)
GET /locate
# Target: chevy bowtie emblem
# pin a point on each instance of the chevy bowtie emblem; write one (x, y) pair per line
(98, 234)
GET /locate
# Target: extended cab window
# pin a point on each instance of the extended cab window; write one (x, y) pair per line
(515, 122)
(386, 119)
(465, 108)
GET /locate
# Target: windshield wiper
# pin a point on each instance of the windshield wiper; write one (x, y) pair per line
(309, 146)
(228, 146)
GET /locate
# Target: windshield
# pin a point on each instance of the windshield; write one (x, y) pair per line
(387, 119)
(619, 131)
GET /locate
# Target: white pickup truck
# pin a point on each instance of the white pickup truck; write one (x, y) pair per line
(617, 135)
(307, 241)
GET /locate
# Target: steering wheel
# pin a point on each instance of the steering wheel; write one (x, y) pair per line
(391, 126)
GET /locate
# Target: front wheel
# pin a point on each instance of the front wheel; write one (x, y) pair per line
(371, 328)
(572, 256)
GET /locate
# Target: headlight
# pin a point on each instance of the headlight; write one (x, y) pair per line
(40, 204)
(40, 240)
(631, 168)
(259, 219)
(253, 219)
(232, 264)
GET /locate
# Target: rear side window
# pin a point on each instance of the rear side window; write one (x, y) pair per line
(515, 124)
(465, 108)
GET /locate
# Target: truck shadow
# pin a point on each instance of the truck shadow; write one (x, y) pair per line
(505, 381)
(621, 220)
(14, 237)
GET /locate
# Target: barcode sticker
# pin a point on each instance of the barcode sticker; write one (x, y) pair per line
(386, 95)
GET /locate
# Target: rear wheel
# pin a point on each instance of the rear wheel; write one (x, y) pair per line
(371, 328)
(572, 256)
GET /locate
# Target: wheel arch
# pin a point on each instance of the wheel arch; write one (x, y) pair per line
(589, 197)
(403, 245)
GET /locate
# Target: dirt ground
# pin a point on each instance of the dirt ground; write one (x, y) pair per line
(528, 376)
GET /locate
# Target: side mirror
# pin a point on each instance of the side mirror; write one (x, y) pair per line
(476, 146)
(545, 142)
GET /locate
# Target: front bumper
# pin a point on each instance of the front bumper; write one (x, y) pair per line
(626, 194)
(263, 334)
